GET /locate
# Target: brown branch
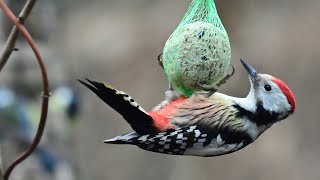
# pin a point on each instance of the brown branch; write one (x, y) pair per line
(1, 162)
(9, 47)
(45, 95)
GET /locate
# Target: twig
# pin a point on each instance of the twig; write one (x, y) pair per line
(45, 95)
(9, 47)
(1, 162)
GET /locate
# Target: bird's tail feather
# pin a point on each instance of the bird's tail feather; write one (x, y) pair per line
(137, 117)
(123, 139)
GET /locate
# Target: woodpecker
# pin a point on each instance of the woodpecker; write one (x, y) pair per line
(201, 125)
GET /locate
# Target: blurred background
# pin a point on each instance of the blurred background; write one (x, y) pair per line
(117, 42)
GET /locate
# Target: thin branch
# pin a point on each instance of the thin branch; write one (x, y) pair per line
(1, 162)
(9, 47)
(45, 95)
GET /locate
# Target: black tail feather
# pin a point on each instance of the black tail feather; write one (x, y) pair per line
(140, 121)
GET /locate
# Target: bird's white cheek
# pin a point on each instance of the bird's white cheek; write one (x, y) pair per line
(275, 103)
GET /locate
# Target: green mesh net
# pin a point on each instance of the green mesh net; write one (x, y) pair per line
(202, 10)
(198, 51)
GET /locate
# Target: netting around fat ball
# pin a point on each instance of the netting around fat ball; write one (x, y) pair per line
(198, 51)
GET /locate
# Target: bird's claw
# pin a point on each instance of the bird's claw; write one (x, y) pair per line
(160, 60)
(212, 88)
(209, 88)
(224, 80)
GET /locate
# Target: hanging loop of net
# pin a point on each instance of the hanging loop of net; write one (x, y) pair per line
(202, 11)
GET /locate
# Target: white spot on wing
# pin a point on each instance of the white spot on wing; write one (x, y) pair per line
(143, 138)
(191, 128)
(163, 138)
(197, 133)
(173, 133)
(203, 135)
(180, 136)
(160, 135)
(131, 101)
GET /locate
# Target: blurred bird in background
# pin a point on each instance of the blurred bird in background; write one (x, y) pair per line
(19, 124)
(20, 99)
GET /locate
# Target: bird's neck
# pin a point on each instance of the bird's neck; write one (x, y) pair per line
(248, 103)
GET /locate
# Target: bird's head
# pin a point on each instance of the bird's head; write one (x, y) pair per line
(270, 93)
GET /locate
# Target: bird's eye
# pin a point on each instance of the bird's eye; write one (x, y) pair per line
(267, 87)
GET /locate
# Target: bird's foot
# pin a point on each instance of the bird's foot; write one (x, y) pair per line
(212, 88)
(160, 61)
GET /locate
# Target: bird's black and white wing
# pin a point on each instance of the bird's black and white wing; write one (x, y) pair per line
(193, 140)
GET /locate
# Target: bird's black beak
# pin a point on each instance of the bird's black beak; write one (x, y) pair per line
(251, 71)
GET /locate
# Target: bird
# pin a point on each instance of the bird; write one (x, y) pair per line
(201, 125)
